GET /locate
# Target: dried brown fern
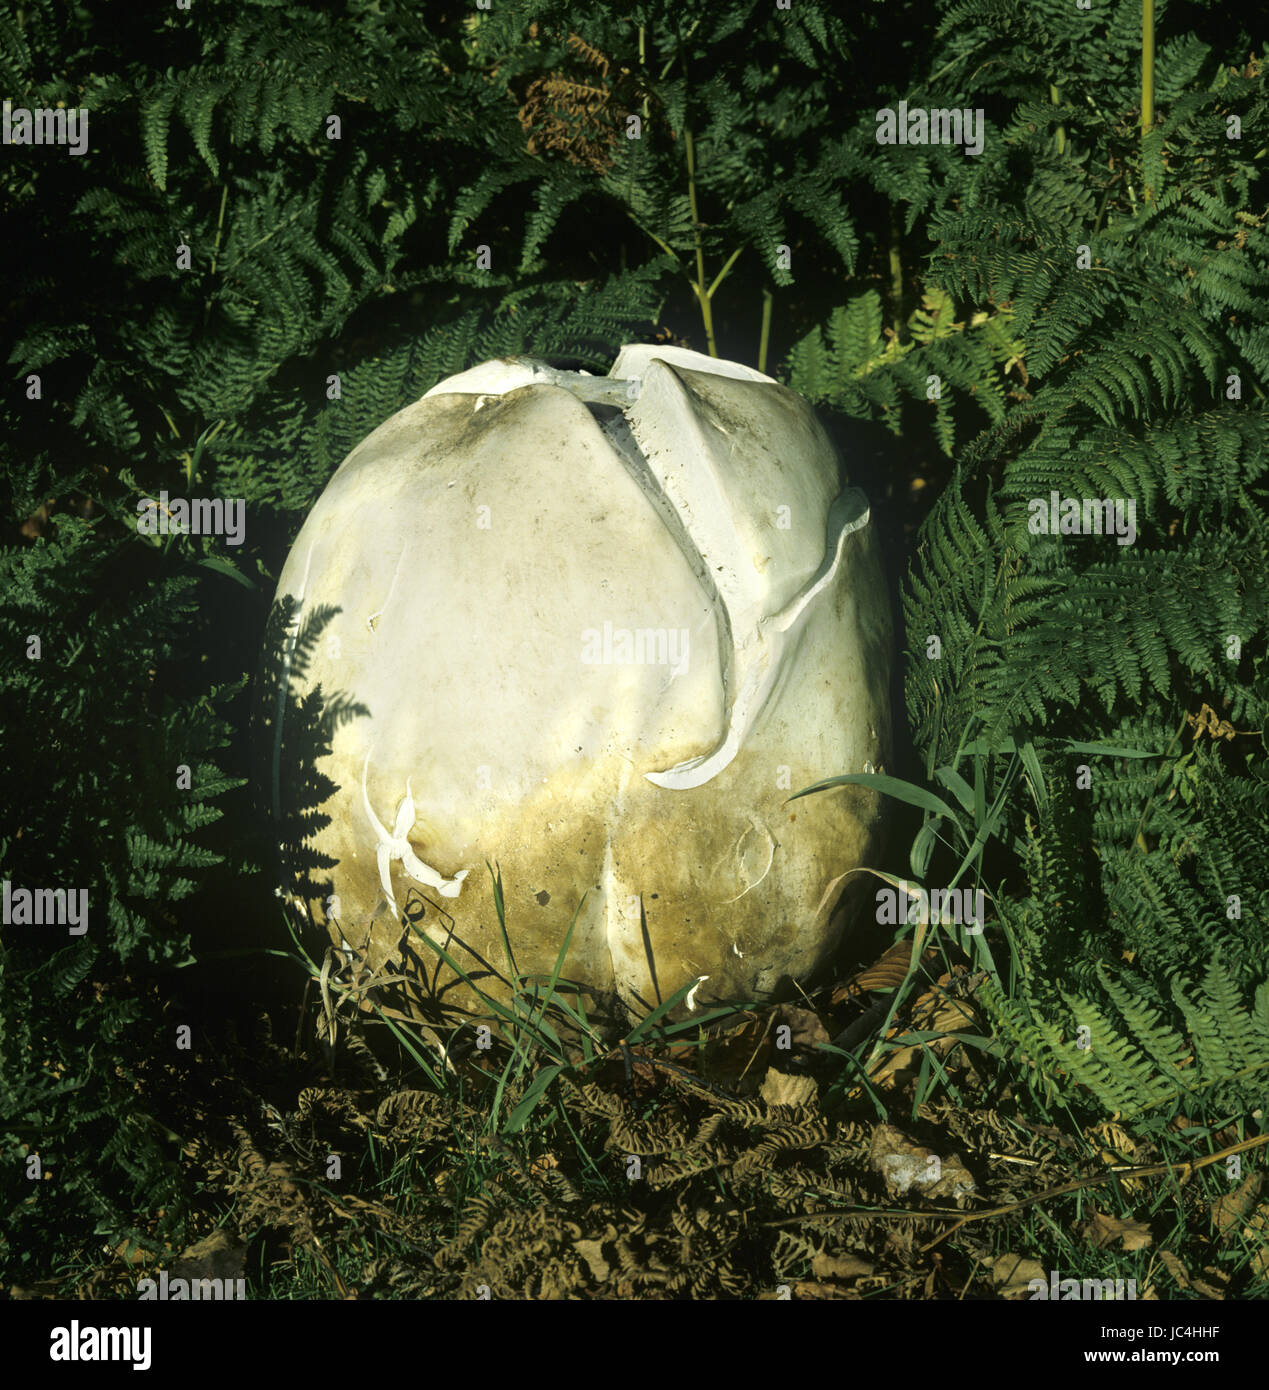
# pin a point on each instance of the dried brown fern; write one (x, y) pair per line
(578, 116)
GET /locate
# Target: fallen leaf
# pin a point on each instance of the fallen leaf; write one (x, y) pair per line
(847, 1266)
(1229, 1211)
(1012, 1274)
(806, 1031)
(822, 1292)
(781, 1088)
(1175, 1268)
(946, 1017)
(592, 1251)
(888, 971)
(1218, 1285)
(1104, 1230)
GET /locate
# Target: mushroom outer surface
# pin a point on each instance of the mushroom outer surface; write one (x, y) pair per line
(594, 631)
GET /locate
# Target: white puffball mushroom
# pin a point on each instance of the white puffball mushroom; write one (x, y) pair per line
(596, 631)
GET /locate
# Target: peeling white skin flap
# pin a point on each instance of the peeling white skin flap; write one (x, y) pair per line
(761, 653)
(397, 846)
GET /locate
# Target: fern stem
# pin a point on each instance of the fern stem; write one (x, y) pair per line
(1055, 96)
(171, 424)
(702, 295)
(765, 339)
(1101, 211)
(683, 38)
(1147, 82)
(220, 227)
(669, 250)
(1147, 66)
(731, 261)
(1115, 1174)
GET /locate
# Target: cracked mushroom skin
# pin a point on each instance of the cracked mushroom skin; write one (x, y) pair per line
(601, 628)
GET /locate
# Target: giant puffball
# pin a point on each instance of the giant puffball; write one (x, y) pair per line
(595, 631)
